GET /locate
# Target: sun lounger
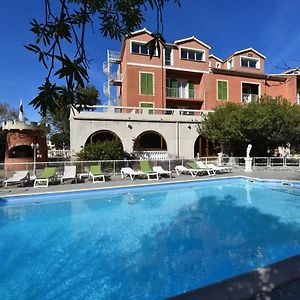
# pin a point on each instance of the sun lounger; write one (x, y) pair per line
(221, 169)
(49, 173)
(69, 174)
(131, 173)
(96, 173)
(161, 171)
(18, 177)
(201, 165)
(184, 170)
(146, 168)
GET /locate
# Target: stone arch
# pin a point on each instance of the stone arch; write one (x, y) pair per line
(150, 140)
(204, 147)
(102, 135)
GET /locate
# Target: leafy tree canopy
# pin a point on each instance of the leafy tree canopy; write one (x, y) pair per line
(59, 118)
(7, 112)
(65, 26)
(266, 125)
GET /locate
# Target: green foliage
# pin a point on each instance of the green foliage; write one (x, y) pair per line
(7, 112)
(266, 124)
(106, 150)
(2, 144)
(59, 117)
(60, 41)
(60, 140)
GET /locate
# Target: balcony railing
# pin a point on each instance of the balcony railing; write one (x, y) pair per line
(183, 93)
(113, 56)
(247, 98)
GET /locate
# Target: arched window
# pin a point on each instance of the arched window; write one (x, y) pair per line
(150, 141)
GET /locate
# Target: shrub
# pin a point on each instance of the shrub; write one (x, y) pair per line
(106, 150)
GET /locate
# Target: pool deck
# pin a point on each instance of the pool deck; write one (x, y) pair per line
(117, 181)
(274, 282)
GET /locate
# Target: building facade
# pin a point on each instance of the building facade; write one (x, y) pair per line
(155, 103)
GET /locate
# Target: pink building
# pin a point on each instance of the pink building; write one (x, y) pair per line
(187, 75)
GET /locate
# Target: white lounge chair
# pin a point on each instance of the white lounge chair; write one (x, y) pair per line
(184, 170)
(131, 173)
(161, 171)
(69, 174)
(203, 166)
(18, 177)
(221, 169)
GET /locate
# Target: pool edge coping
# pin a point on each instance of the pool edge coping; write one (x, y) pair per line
(250, 284)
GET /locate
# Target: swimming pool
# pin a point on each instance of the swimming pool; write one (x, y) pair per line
(145, 242)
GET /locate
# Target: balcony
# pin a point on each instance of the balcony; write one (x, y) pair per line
(180, 93)
(248, 98)
(113, 56)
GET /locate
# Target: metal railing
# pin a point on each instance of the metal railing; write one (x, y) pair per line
(183, 93)
(113, 56)
(113, 167)
(59, 153)
(147, 110)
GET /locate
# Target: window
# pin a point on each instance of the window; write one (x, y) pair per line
(230, 64)
(249, 62)
(192, 54)
(147, 105)
(140, 48)
(222, 90)
(168, 57)
(218, 65)
(147, 84)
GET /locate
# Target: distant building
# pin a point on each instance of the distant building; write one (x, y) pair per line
(161, 99)
(21, 140)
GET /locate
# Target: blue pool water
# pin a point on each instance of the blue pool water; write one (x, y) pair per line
(146, 242)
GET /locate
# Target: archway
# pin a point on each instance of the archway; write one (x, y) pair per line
(21, 151)
(150, 141)
(204, 147)
(101, 136)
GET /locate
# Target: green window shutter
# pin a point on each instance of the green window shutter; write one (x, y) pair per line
(146, 84)
(191, 90)
(150, 84)
(222, 90)
(143, 83)
(225, 89)
(174, 91)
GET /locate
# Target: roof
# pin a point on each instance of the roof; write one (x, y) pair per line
(192, 38)
(144, 30)
(245, 50)
(215, 57)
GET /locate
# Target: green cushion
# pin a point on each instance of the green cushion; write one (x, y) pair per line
(192, 165)
(47, 173)
(96, 170)
(145, 166)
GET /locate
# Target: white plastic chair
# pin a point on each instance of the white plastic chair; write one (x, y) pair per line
(161, 171)
(18, 177)
(69, 174)
(131, 173)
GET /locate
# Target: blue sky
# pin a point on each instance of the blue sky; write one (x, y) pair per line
(269, 26)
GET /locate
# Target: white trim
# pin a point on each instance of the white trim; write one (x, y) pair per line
(193, 49)
(140, 72)
(166, 67)
(143, 65)
(250, 82)
(188, 70)
(142, 43)
(250, 58)
(217, 90)
(144, 30)
(215, 57)
(245, 50)
(171, 56)
(193, 39)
